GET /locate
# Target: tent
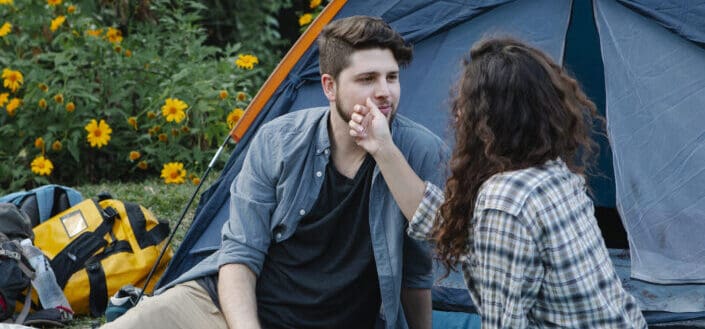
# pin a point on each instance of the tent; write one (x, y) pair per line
(641, 61)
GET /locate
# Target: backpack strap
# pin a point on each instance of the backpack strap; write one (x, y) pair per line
(25, 306)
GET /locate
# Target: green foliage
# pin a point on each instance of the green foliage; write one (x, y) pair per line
(253, 23)
(162, 55)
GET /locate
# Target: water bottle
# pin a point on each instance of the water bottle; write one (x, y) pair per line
(50, 294)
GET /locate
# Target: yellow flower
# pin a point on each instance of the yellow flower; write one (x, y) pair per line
(128, 53)
(70, 107)
(118, 49)
(94, 33)
(5, 29)
(142, 165)
(114, 35)
(39, 143)
(43, 87)
(12, 106)
(134, 155)
(151, 115)
(71, 9)
(173, 110)
(3, 98)
(56, 22)
(98, 133)
(234, 117)
(185, 129)
(195, 180)
(246, 61)
(241, 96)
(163, 137)
(305, 19)
(59, 98)
(5, 2)
(173, 173)
(42, 103)
(132, 121)
(314, 3)
(54, 2)
(223, 94)
(12, 79)
(42, 166)
(56, 146)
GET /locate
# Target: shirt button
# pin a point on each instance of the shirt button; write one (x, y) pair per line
(279, 236)
(319, 174)
(302, 212)
(326, 151)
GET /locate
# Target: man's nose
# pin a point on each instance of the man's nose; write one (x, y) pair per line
(382, 88)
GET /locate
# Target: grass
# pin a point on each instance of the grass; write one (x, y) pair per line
(165, 201)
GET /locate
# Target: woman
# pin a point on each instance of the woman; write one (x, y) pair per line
(515, 216)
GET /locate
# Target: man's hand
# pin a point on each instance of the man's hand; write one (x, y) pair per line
(370, 128)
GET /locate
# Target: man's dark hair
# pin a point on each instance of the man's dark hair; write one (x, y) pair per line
(340, 38)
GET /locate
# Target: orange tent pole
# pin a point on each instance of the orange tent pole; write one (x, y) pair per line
(284, 67)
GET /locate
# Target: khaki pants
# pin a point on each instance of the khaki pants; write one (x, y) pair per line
(186, 305)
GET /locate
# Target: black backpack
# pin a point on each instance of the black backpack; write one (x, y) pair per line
(16, 273)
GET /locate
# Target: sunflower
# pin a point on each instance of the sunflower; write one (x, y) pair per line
(94, 33)
(173, 173)
(114, 35)
(5, 29)
(70, 107)
(54, 2)
(12, 79)
(56, 145)
(56, 22)
(173, 110)
(43, 87)
(59, 98)
(5, 2)
(42, 166)
(223, 94)
(3, 98)
(305, 19)
(241, 96)
(134, 155)
(314, 3)
(42, 103)
(143, 165)
(98, 133)
(128, 53)
(39, 143)
(246, 61)
(132, 121)
(13, 105)
(234, 117)
(163, 137)
(71, 9)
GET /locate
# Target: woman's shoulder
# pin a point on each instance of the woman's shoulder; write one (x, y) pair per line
(509, 191)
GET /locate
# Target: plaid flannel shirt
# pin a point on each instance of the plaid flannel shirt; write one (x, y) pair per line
(538, 259)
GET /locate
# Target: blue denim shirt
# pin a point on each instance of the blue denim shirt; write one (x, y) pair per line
(279, 182)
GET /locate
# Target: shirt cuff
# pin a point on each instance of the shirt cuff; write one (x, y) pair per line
(422, 222)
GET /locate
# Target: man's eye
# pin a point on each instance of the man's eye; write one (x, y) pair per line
(393, 77)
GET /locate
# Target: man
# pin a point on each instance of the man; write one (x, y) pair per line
(315, 239)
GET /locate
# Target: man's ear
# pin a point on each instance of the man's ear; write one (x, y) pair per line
(329, 86)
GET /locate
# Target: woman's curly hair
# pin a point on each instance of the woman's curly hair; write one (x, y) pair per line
(514, 108)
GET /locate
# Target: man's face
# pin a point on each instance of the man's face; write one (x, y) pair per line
(372, 73)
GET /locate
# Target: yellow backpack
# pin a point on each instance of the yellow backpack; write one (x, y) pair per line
(95, 248)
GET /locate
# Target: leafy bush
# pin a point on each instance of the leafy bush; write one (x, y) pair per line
(87, 101)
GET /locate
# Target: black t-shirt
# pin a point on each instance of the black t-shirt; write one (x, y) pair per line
(324, 275)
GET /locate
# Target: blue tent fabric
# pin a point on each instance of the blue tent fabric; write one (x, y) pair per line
(438, 50)
(683, 17)
(655, 87)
